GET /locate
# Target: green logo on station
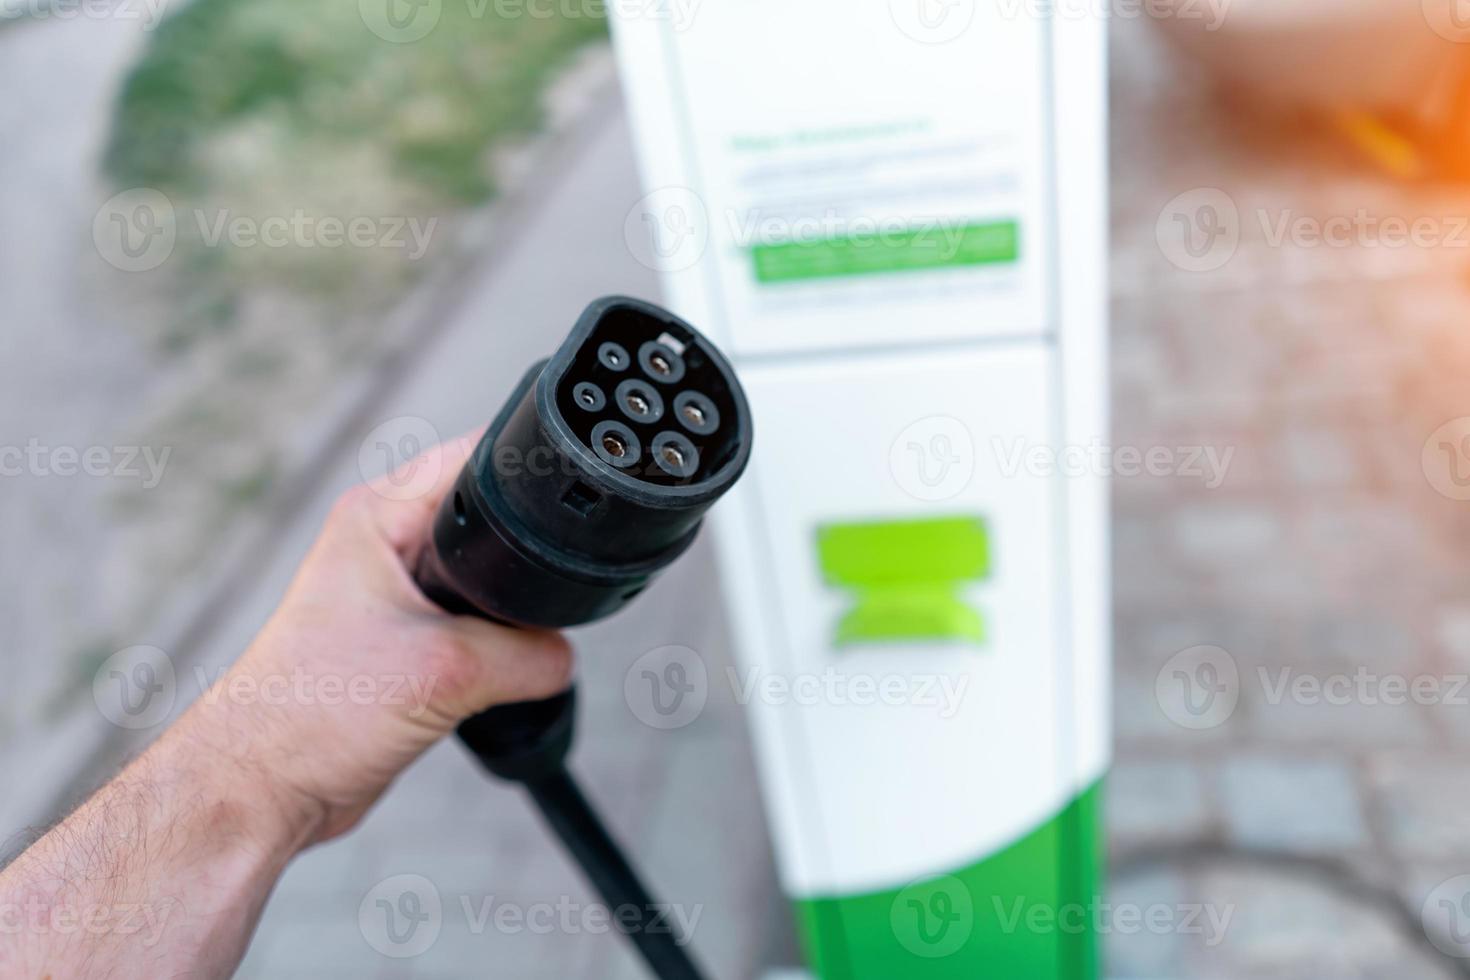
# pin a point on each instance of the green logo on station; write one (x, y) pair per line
(907, 577)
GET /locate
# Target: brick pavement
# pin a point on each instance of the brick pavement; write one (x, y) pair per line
(1325, 565)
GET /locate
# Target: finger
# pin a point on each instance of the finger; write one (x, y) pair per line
(404, 501)
(504, 665)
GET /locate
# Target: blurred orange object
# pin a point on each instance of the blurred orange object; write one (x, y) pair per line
(1392, 78)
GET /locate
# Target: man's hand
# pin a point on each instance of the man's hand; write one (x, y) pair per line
(365, 674)
(354, 618)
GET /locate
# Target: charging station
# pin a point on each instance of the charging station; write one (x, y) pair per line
(891, 214)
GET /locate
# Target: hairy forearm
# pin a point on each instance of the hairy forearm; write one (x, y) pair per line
(162, 873)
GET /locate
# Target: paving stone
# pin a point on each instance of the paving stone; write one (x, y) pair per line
(1286, 928)
(1227, 535)
(1452, 630)
(1425, 805)
(1142, 952)
(1153, 801)
(1349, 728)
(1318, 457)
(1304, 805)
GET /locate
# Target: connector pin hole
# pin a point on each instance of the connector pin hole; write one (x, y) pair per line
(461, 517)
(639, 401)
(661, 363)
(589, 397)
(697, 413)
(614, 357)
(616, 445)
(675, 455)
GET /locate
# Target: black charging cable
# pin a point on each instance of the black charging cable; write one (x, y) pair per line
(591, 481)
(528, 744)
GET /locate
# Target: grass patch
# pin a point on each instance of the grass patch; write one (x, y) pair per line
(431, 107)
(271, 109)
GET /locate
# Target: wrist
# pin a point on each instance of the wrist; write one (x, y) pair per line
(224, 759)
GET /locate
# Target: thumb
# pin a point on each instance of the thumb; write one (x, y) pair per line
(494, 664)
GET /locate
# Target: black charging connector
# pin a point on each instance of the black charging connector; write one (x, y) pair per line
(593, 479)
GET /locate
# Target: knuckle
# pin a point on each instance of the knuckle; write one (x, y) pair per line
(454, 663)
(350, 506)
(556, 662)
